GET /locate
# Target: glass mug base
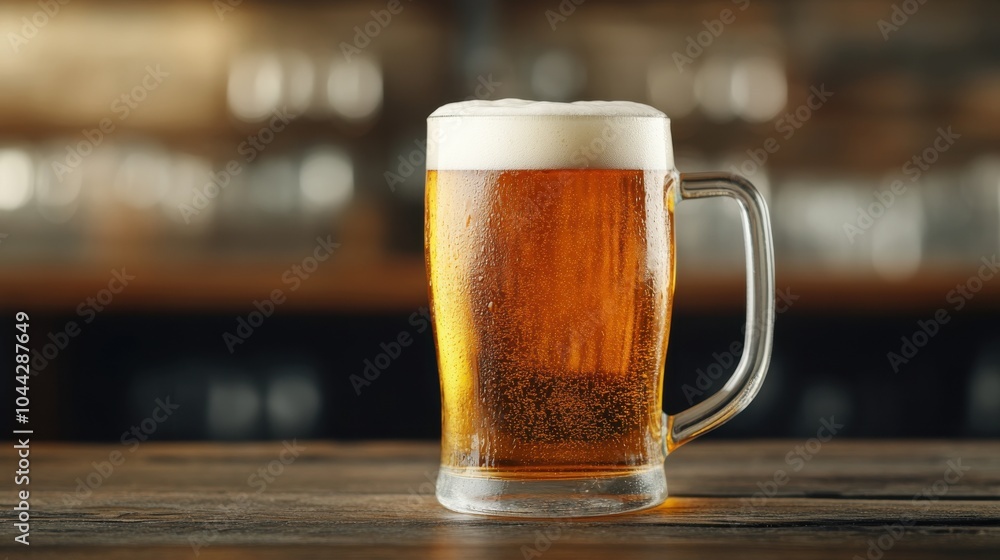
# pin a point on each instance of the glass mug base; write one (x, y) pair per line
(561, 497)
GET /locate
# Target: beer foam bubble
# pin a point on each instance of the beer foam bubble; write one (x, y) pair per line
(519, 134)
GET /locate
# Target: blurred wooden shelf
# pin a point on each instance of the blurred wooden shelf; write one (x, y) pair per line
(363, 285)
(399, 284)
(850, 291)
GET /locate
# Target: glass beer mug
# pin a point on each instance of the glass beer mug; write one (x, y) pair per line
(549, 243)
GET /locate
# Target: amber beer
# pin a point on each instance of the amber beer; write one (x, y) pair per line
(550, 281)
(550, 290)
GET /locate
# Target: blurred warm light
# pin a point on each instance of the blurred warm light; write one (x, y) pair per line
(827, 398)
(187, 174)
(293, 403)
(759, 88)
(984, 177)
(491, 62)
(58, 197)
(810, 213)
(299, 80)
(669, 89)
(354, 89)
(326, 178)
(255, 85)
(234, 408)
(558, 75)
(143, 178)
(16, 178)
(713, 86)
(86, 57)
(898, 238)
(983, 414)
(273, 185)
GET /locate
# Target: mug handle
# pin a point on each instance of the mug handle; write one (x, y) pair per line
(746, 381)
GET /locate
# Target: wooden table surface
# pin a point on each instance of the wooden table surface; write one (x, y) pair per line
(851, 499)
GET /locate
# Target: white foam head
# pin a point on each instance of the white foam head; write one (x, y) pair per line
(519, 134)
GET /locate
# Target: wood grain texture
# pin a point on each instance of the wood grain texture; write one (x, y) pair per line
(375, 500)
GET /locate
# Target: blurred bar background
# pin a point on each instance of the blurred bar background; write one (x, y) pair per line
(204, 148)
